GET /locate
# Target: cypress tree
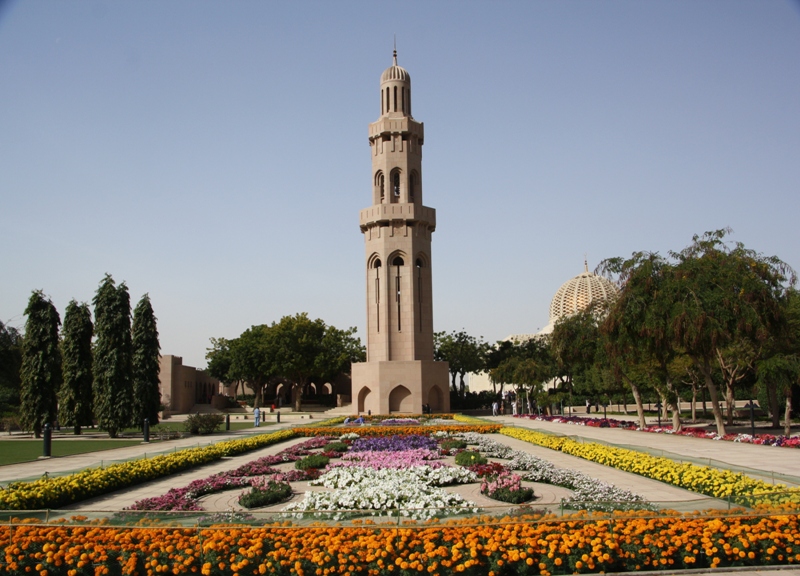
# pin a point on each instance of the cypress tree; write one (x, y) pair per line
(112, 366)
(146, 349)
(41, 364)
(10, 365)
(75, 398)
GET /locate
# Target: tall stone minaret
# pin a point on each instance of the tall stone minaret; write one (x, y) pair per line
(399, 374)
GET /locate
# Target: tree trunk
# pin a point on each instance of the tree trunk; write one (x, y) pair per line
(297, 398)
(462, 386)
(788, 416)
(694, 404)
(772, 395)
(705, 368)
(637, 397)
(730, 401)
(77, 430)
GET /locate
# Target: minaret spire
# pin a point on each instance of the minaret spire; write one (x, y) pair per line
(394, 52)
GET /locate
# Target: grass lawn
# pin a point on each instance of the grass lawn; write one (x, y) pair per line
(15, 451)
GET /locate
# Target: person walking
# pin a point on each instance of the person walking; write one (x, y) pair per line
(257, 417)
(494, 408)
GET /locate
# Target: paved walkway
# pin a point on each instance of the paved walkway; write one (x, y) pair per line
(735, 454)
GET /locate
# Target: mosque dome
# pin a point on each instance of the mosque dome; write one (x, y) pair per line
(579, 293)
(395, 73)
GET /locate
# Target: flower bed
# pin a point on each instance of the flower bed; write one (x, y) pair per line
(701, 479)
(506, 487)
(411, 492)
(394, 443)
(761, 439)
(383, 459)
(55, 492)
(526, 546)
(254, 473)
(588, 493)
(482, 428)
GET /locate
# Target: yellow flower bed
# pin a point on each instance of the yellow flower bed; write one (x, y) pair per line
(722, 484)
(54, 492)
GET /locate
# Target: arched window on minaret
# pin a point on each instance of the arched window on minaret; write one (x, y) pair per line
(419, 290)
(395, 183)
(380, 188)
(395, 98)
(377, 266)
(412, 186)
(397, 263)
(387, 100)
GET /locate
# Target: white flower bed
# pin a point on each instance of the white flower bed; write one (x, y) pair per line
(589, 493)
(411, 493)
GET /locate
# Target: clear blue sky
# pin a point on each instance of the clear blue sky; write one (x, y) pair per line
(214, 154)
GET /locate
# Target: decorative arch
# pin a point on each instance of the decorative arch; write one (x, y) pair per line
(374, 261)
(413, 185)
(397, 254)
(362, 398)
(401, 399)
(395, 179)
(435, 400)
(312, 389)
(380, 186)
(327, 388)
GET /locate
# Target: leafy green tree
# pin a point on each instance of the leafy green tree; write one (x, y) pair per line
(41, 364)
(220, 363)
(146, 350)
(298, 352)
(10, 364)
(722, 295)
(113, 362)
(638, 326)
(75, 405)
(464, 354)
(251, 360)
(573, 345)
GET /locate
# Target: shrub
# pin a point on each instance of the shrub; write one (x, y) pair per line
(512, 496)
(335, 447)
(453, 444)
(469, 458)
(315, 461)
(273, 493)
(203, 423)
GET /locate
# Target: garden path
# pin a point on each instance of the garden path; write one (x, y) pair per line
(735, 454)
(125, 498)
(653, 490)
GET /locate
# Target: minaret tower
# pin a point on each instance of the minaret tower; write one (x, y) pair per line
(399, 374)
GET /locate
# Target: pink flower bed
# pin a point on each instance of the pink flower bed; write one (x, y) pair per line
(393, 460)
(763, 439)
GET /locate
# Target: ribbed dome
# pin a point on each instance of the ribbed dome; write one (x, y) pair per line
(395, 72)
(577, 294)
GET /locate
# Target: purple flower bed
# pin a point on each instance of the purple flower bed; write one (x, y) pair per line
(394, 443)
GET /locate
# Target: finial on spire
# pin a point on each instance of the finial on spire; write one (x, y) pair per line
(394, 52)
(585, 263)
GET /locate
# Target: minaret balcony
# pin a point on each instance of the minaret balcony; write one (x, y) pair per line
(404, 125)
(389, 212)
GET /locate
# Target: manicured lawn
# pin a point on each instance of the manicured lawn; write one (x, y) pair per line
(15, 451)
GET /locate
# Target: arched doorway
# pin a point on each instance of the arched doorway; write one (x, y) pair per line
(400, 400)
(435, 399)
(362, 397)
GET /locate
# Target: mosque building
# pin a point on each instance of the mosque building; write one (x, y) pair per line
(574, 295)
